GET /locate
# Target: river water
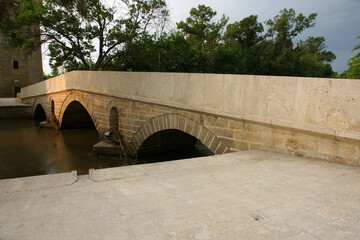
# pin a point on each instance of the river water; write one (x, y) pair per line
(26, 150)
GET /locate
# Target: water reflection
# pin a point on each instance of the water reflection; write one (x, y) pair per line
(26, 150)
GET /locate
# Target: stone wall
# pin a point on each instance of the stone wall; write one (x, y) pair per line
(316, 118)
(29, 69)
(7, 112)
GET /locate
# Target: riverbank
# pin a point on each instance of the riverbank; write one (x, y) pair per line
(243, 195)
(10, 108)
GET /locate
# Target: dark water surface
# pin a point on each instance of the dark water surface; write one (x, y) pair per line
(26, 150)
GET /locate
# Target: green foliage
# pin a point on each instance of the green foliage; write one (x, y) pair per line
(229, 58)
(313, 58)
(6, 10)
(354, 65)
(72, 28)
(201, 30)
(86, 34)
(176, 54)
(247, 32)
(284, 27)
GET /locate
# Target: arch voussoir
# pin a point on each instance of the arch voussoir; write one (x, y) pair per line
(173, 121)
(153, 128)
(181, 123)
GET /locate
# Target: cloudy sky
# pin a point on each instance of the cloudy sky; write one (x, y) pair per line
(338, 20)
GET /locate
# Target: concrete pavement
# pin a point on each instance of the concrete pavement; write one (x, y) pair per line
(243, 195)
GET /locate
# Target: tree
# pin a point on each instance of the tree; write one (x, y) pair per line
(313, 59)
(77, 30)
(316, 46)
(284, 27)
(276, 54)
(229, 58)
(354, 64)
(178, 55)
(201, 30)
(7, 7)
(246, 32)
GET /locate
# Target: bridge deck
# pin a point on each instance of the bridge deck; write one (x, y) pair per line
(244, 195)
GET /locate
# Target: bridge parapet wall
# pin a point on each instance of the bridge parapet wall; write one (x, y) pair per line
(306, 116)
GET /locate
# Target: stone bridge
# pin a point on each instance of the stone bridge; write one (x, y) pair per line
(312, 117)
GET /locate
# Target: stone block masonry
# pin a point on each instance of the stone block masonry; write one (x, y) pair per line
(17, 68)
(316, 118)
(9, 108)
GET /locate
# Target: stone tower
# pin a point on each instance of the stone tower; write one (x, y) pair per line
(18, 69)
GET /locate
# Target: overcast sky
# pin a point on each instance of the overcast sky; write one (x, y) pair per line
(338, 20)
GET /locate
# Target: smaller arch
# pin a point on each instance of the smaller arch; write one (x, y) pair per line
(177, 122)
(39, 101)
(76, 116)
(39, 114)
(84, 101)
(110, 105)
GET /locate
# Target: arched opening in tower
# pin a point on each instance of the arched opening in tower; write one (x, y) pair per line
(76, 117)
(169, 145)
(39, 115)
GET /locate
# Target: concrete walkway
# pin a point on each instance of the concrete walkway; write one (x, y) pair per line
(244, 195)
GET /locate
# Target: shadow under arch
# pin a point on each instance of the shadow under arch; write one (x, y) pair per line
(178, 126)
(171, 144)
(76, 116)
(75, 97)
(39, 114)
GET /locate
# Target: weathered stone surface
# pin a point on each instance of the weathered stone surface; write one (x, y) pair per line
(29, 69)
(38, 182)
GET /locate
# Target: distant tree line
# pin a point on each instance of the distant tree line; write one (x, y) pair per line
(88, 35)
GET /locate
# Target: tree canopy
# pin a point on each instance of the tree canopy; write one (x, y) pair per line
(201, 30)
(74, 30)
(88, 34)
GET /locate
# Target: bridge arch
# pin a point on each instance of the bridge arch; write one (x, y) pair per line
(177, 124)
(79, 102)
(39, 102)
(39, 114)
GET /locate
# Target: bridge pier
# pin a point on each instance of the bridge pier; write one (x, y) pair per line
(108, 149)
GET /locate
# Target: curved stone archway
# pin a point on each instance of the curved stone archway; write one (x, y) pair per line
(177, 122)
(36, 103)
(84, 101)
(39, 114)
(76, 116)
